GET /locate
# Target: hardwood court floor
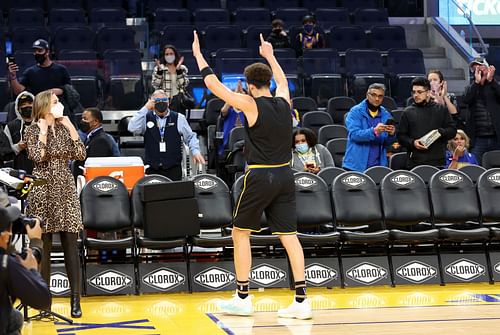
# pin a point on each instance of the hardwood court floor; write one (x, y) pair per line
(450, 309)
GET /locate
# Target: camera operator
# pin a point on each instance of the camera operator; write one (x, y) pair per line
(19, 278)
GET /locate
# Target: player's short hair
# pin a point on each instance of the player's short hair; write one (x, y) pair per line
(258, 74)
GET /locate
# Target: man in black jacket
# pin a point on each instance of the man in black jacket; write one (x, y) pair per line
(483, 100)
(19, 278)
(419, 119)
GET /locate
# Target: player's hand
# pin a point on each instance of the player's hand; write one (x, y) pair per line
(266, 48)
(196, 45)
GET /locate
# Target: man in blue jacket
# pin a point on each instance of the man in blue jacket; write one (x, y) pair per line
(368, 132)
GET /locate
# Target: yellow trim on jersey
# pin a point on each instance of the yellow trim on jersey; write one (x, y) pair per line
(282, 233)
(235, 212)
(260, 166)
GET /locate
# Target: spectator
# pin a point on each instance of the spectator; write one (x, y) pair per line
(278, 37)
(457, 154)
(439, 92)
(231, 118)
(163, 130)
(170, 75)
(44, 75)
(419, 119)
(369, 132)
(309, 37)
(483, 100)
(308, 154)
(16, 129)
(97, 142)
(19, 276)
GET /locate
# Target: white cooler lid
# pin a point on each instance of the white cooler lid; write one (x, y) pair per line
(113, 161)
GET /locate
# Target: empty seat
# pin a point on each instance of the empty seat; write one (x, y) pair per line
(387, 37)
(64, 4)
(74, 38)
(106, 17)
(491, 159)
(329, 17)
(403, 65)
(425, 172)
(368, 17)
(245, 17)
(337, 148)
(377, 173)
(329, 174)
(233, 5)
(179, 35)
(210, 16)
(217, 37)
(488, 188)
(399, 161)
(338, 107)
(252, 36)
(193, 4)
(232, 61)
(63, 17)
(24, 59)
(23, 37)
(315, 120)
(114, 38)
(169, 16)
(329, 132)
(473, 171)
(291, 16)
(320, 61)
(389, 103)
(342, 38)
(275, 4)
(91, 4)
(153, 5)
(363, 67)
(352, 5)
(26, 17)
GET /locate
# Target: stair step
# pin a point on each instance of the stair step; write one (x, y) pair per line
(430, 52)
(450, 74)
(437, 63)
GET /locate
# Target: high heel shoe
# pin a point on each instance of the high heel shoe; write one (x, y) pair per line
(76, 310)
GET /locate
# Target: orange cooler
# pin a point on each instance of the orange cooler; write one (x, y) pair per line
(127, 169)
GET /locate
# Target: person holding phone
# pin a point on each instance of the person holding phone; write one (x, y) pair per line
(369, 132)
(308, 154)
(457, 154)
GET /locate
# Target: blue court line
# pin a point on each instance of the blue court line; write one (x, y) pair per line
(86, 326)
(220, 324)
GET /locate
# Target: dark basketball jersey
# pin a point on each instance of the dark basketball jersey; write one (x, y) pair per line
(269, 140)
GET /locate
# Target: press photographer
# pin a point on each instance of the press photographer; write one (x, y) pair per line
(19, 277)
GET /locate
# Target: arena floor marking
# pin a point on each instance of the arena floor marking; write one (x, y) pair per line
(454, 308)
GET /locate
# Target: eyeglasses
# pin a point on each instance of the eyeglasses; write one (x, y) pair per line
(418, 92)
(375, 95)
(161, 100)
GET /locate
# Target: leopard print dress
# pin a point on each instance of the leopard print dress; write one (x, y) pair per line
(57, 201)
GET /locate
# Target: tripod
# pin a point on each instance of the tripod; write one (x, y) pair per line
(43, 313)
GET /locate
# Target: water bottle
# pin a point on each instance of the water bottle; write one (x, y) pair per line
(462, 34)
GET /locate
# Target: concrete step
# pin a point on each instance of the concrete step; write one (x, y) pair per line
(430, 52)
(437, 63)
(450, 74)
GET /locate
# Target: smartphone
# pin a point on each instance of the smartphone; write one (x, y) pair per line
(310, 165)
(390, 122)
(11, 59)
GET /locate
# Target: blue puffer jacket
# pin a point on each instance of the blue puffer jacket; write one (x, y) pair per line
(361, 136)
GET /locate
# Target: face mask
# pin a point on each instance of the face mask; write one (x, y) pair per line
(26, 112)
(308, 28)
(57, 110)
(277, 31)
(161, 106)
(84, 126)
(302, 148)
(169, 59)
(40, 58)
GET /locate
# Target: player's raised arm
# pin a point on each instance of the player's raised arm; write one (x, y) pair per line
(266, 51)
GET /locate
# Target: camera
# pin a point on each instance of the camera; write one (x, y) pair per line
(19, 226)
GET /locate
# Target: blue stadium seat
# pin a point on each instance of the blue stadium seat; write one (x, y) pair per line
(313, 5)
(169, 16)
(92, 4)
(275, 4)
(252, 36)
(368, 17)
(26, 17)
(204, 17)
(287, 60)
(338, 107)
(232, 5)
(153, 5)
(363, 67)
(24, 59)
(52, 4)
(23, 37)
(352, 5)
(217, 37)
(320, 61)
(291, 16)
(39, 4)
(74, 38)
(403, 65)
(315, 120)
(328, 17)
(115, 38)
(232, 60)
(106, 17)
(194, 4)
(387, 37)
(179, 35)
(64, 17)
(245, 17)
(347, 37)
(4, 95)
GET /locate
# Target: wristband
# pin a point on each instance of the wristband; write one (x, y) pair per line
(206, 71)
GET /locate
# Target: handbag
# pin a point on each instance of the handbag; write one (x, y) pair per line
(186, 100)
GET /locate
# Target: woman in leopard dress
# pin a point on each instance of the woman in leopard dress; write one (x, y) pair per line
(52, 142)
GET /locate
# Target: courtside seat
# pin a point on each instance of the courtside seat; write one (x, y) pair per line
(488, 189)
(425, 172)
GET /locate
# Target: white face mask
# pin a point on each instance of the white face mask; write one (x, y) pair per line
(169, 59)
(57, 110)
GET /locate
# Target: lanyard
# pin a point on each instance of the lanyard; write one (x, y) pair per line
(162, 128)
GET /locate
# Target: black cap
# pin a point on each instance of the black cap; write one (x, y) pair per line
(8, 213)
(40, 44)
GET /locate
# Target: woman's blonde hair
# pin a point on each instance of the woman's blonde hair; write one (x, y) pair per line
(451, 143)
(42, 104)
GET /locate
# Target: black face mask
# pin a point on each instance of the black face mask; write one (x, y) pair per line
(40, 58)
(84, 126)
(161, 106)
(26, 111)
(277, 31)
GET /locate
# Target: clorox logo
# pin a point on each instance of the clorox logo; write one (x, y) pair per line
(110, 281)
(450, 178)
(205, 184)
(494, 178)
(214, 278)
(305, 182)
(266, 274)
(105, 186)
(163, 279)
(497, 267)
(465, 269)
(366, 273)
(402, 179)
(416, 272)
(59, 283)
(353, 180)
(318, 274)
(154, 181)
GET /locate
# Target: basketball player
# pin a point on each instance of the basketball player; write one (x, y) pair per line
(268, 183)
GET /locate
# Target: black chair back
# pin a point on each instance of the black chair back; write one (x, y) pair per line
(473, 171)
(214, 201)
(425, 172)
(313, 200)
(328, 174)
(377, 173)
(137, 206)
(488, 188)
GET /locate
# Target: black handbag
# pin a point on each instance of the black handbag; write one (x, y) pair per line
(186, 100)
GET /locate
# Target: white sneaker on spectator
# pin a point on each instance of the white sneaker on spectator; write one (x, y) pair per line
(297, 310)
(237, 306)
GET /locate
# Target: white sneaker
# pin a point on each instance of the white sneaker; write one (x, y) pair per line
(297, 310)
(237, 306)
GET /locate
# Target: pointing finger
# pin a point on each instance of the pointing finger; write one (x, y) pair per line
(261, 39)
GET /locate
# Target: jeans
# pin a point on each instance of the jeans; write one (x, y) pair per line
(484, 144)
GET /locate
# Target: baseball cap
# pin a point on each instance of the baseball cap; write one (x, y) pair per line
(41, 44)
(478, 61)
(8, 213)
